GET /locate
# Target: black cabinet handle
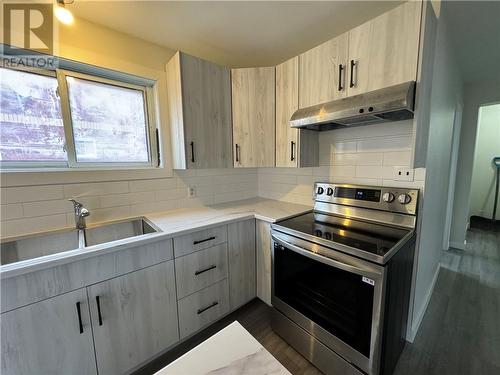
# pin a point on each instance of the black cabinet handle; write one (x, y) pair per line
(203, 309)
(99, 315)
(352, 84)
(192, 152)
(341, 68)
(292, 150)
(237, 153)
(158, 155)
(205, 269)
(79, 312)
(205, 240)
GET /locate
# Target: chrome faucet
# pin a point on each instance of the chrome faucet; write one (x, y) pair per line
(80, 214)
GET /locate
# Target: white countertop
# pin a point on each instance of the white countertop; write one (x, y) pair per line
(171, 223)
(231, 351)
(177, 222)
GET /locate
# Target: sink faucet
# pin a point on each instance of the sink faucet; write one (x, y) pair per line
(80, 214)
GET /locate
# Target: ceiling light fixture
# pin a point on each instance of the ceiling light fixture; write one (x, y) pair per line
(63, 14)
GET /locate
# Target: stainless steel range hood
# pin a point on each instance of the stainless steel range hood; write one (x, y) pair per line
(393, 103)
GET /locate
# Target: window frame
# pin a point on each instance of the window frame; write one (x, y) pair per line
(60, 74)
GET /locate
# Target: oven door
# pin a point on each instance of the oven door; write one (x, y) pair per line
(335, 297)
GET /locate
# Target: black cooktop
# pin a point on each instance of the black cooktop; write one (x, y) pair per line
(372, 238)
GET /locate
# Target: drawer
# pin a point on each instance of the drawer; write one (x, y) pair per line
(202, 308)
(200, 240)
(198, 270)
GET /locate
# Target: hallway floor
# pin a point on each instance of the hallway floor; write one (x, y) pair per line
(460, 333)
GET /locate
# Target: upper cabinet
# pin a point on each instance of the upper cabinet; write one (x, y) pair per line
(253, 105)
(323, 70)
(384, 51)
(294, 147)
(199, 101)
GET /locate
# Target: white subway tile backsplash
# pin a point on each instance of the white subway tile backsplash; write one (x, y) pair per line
(30, 193)
(116, 200)
(44, 208)
(152, 185)
(98, 188)
(31, 225)
(372, 171)
(11, 211)
(386, 144)
(343, 171)
(397, 158)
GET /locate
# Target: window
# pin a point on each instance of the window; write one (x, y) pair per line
(69, 119)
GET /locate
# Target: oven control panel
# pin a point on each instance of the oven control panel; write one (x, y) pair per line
(401, 200)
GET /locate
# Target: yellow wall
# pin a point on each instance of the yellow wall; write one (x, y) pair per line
(88, 42)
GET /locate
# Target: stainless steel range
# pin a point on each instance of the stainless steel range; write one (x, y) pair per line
(341, 277)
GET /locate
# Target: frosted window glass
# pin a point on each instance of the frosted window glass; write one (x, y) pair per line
(109, 122)
(31, 127)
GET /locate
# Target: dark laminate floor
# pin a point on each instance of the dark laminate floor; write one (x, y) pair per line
(460, 333)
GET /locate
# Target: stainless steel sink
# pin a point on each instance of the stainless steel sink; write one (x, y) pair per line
(43, 244)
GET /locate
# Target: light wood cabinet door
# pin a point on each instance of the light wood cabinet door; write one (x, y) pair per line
(263, 249)
(47, 337)
(199, 99)
(384, 50)
(242, 277)
(294, 147)
(134, 317)
(253, 105)
(322, 75)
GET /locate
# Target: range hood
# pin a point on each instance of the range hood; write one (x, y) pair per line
(392, 103)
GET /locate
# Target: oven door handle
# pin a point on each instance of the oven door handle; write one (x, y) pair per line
(325, 260)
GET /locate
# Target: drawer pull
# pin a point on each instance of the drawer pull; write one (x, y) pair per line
(203, 309)
(205, 269)
(205, 240)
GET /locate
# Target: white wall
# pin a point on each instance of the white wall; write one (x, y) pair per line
(484, 173)
(475, 95)
(361, 155)
(446, 92)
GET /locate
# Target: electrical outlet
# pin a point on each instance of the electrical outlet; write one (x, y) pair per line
(191, 192)
(403, 174)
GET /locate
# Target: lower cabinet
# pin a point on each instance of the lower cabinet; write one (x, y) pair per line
(130, 318)
(134, 317)
(242, 277)
(200, 309)
(263, 249)
(53, 336)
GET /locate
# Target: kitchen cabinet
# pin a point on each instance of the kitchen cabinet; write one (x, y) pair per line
(199, 309)
(49, 337)
(294, 147)
(322, 72)
(384, 51)
(201, 269)
(241, 254)
(199, 101)
(253, 113)
(134, 317)
(263, 249)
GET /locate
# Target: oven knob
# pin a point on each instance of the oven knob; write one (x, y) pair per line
(388, 197)
(328, 236)
(318, 233)
(404, 198)
(320, 190)
(329, 191)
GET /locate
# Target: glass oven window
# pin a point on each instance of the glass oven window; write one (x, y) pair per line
(338, 301)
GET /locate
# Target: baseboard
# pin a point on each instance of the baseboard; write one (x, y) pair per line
(457, 245)
(420, 316)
